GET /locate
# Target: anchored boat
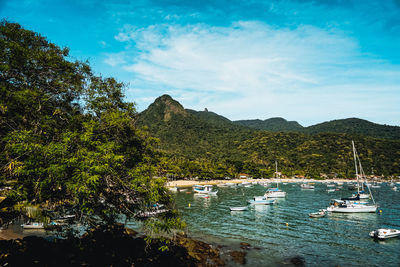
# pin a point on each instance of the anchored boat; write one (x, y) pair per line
(262, 200)
(384, 233)
(353, 204)
(205, 189)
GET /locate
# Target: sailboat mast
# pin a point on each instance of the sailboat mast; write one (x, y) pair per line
(276, 173)
(355, 165)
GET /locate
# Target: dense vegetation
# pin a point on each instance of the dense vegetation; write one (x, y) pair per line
(206, 145)
(272, 124)
(68, 138)
(352, 126)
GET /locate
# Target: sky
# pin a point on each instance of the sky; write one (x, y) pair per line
(305, 61)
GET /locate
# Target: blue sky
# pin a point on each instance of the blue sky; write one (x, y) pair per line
(309, 61)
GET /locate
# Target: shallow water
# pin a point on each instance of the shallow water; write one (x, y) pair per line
(284, 229)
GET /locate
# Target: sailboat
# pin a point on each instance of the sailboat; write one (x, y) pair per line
(353, 204)
(275, 192)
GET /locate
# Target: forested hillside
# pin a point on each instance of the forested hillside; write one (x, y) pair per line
(272, 124)
(352, 126)
(356, 126)
(207, 145)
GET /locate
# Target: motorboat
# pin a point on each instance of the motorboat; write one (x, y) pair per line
(261, 200)
(318, 214)
(204, 189)
(239, 208)
(384, 233)
(33, 225)
(274, 193)
(330, 190)
(330, 185)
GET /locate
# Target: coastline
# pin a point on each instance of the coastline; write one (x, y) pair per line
(190, 183)
(9, 234)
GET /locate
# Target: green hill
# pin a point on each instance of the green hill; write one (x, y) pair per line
(356, 126)
(207, 145)
(272, 124)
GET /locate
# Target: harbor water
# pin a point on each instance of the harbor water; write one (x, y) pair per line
(284, 230)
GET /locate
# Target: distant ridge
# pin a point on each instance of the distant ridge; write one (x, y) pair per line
(356, 126)
(273, 124)
(165, 107)
(353, 126)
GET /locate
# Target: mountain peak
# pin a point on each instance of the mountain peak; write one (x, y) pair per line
(164, 107)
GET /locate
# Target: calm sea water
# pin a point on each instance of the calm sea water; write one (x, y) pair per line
(284, 229)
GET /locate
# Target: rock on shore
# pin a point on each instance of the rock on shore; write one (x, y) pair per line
(107, 246)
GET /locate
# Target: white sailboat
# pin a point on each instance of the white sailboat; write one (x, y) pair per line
(353, 204)
(275, 192)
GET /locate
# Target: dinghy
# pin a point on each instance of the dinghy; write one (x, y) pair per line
(318, 214)
(238, 208)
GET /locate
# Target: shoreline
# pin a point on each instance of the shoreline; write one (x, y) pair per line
(9, 234)
(190, 183)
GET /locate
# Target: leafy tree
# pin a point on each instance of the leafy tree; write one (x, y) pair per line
(68, 138)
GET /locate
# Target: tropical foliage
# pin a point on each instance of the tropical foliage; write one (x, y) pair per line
(68, 137)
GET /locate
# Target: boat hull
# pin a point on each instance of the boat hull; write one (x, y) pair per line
(238, 208)
(353, 209)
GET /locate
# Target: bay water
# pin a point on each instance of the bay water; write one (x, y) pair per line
(284, 230)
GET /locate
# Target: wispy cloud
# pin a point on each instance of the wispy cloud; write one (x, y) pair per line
(265, 70)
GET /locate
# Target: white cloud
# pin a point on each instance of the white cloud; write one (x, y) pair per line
(252, 70)
(115, 59)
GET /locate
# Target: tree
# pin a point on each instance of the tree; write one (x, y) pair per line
(69, 138)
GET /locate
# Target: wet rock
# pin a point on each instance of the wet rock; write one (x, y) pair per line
(204, 253)
(239, 257)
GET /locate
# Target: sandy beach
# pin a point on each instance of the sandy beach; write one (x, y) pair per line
(9, 234)
(190, 183)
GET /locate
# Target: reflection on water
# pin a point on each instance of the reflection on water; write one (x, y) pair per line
(285, 229)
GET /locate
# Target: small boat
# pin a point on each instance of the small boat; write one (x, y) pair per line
(238, 208)
(201, 195)
(330, 190)
(307, 186)
(204, 189)
(318, 214)
(274, 193)
(394, 188)
(262, 200)
(33, 225)
(330, 185)
(384, 233)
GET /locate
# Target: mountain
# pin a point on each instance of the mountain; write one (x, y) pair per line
(207, 145)
(190, 133)
(356, 126)
(272, 124)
